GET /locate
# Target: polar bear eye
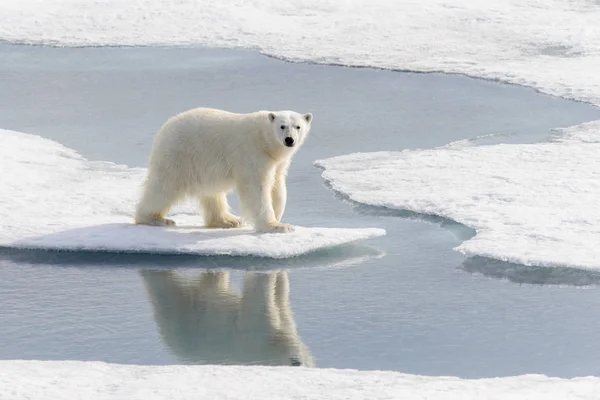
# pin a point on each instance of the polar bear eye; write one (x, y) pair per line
(282, 127)
(298, 127)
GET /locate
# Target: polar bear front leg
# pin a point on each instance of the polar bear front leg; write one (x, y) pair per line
(279, 192)
(257, 202)
(279, 196)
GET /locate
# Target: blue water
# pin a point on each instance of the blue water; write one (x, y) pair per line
(414, 305)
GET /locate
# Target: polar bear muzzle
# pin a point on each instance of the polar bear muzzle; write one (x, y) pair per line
(289, 141)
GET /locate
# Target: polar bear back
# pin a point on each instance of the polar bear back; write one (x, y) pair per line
(224, 132)
(202, 147)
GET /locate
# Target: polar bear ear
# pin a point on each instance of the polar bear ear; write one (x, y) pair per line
(308, 117)
(271, 117)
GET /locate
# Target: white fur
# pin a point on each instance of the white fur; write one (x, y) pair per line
(203, 321)
(206, 153)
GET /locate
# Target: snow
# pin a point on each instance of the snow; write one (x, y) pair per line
(551, 45)
(30, 380)
(532, 204)
(52, 198)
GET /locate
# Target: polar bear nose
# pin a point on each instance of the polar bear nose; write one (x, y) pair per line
(289, 142)
(295, 362)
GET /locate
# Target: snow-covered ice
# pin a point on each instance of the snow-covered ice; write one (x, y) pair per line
(52, 198)
(532, 204)
(32, 380)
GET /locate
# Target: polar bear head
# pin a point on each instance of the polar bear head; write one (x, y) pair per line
(289, 128)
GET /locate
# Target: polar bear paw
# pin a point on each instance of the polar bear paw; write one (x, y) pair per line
(156, 222)
(226, 221)
(276, 227)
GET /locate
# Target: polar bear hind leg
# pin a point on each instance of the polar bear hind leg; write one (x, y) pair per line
(155, 204)
(216, 212)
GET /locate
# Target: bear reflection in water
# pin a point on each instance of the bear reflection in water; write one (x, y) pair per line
(203, 321)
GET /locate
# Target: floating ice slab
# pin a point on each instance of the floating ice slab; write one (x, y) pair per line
(52, 198)
(532, 204)
(58, 380)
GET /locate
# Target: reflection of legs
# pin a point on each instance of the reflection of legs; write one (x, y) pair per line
(216, 212)
(169, 300)
(216, 281)
(266, 310)
(282, 299)
(155, 204)
(190, 312)
(176, 294)
(282, 289)
(258, 301)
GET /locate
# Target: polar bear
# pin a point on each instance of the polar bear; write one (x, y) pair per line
(203, 321)
(205, 153)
